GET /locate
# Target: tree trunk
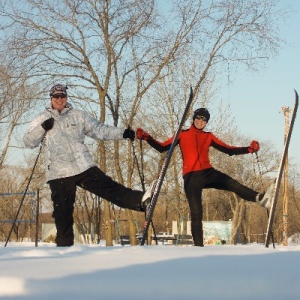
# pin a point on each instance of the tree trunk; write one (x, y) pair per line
(107, 213)
(237, 219)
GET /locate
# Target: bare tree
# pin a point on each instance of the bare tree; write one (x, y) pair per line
(15, 103)
(113, 54)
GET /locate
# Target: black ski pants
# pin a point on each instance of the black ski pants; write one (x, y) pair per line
(63, 192)
(195, 182)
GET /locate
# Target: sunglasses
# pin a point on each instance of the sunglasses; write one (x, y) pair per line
(56, 96)
(201, 118)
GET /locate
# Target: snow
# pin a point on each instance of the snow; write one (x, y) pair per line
(149, 272)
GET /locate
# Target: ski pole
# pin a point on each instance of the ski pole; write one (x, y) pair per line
(142, 181)
(138, 167)
(259, 170)
(142, 164)
(26, 189)
(261, 183)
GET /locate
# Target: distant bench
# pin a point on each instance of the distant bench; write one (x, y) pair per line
(177, 239)
(183, 239)
(125, 240)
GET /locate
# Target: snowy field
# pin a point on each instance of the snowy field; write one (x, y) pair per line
(149, 272)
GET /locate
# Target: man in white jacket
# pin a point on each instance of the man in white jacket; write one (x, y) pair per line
(70, 164)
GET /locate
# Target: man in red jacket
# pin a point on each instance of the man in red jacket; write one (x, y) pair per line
(198, 172)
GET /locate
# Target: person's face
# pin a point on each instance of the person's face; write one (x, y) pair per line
(200, 122)
(59, 101)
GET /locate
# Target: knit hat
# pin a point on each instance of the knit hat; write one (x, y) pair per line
(201, 112)
(58, 88)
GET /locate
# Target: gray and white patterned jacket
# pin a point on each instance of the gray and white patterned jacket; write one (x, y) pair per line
(65, 152)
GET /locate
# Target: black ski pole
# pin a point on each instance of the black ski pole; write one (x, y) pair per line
(142, 165)
(261, 183)
(141, 175)
(25, 192)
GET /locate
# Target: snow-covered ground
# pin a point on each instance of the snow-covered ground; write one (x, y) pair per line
(149, 272)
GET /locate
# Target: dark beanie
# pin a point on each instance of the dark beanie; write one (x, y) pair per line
(201, 112)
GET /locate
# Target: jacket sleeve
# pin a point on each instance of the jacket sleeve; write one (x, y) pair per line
(225, 148)
(100, 131)
(35, 133)
(160, 146)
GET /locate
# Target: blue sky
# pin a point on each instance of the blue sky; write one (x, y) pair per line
(256, 99)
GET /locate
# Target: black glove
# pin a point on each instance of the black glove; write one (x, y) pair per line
(129, 134)
(48, 124)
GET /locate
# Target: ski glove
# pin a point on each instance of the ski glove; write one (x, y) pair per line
(254, 147)
(48, 124)
(129, 134)
(142, 135)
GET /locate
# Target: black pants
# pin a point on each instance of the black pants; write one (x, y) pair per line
(63, 192)
(194, 182)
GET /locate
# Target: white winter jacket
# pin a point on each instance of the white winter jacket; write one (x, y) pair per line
(66, 153)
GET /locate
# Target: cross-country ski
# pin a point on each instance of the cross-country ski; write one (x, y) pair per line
(158, 184)
(280, 172)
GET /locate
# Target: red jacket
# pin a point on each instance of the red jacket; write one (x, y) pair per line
(194, 145)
